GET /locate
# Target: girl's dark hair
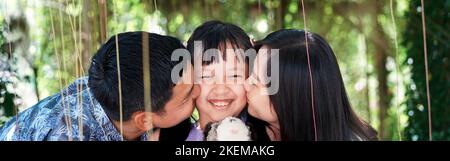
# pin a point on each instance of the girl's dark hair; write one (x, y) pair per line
(215, 35)
(335, 119)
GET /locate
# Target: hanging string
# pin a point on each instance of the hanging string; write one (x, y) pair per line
(79, 72)
(64, 101)
(58, 64)
(397, 70)
(118, 75)
(10, 59)
(259, 7)
(80, 108)
(78, 68)
(310, 72)
(146, 77)
(76, 59)
(367, 77)
(82, 74)
(427, 83)
(77, 62)
(16, 108)
(156, 6)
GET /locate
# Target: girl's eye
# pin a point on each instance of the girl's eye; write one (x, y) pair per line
(236, 76)
(206, 76)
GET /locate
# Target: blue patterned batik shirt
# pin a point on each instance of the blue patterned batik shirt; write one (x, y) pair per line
(73, 114)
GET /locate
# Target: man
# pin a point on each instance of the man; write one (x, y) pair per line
(89, 108)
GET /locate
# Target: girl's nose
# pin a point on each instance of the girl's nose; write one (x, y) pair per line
(221, 89)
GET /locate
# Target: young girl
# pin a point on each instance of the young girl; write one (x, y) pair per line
(288, 113)
(222, 73)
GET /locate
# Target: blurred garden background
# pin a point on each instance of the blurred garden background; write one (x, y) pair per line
(46, 44)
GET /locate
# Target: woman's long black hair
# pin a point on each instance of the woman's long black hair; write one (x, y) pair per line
(335, 119)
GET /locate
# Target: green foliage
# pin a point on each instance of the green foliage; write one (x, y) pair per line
(438, 46)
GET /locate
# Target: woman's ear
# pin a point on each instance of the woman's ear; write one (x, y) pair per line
(252, 41)
(143, 120)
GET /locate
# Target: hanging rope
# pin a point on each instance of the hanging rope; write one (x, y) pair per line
(80, 107)
(310, 73)
(397, 70)
(259, 7)
(64, 101)
(427, 83)
(146, 77)
(76, 60)
(78, 69)
(118, 76)
(120, 86)
(79, 72)
(156, 6)
(58, 66)
(259, 14)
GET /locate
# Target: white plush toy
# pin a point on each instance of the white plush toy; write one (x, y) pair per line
(229, 129)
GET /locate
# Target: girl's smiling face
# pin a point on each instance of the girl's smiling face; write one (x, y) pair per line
(222, 92)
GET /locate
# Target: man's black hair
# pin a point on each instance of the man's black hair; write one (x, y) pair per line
(103, 80)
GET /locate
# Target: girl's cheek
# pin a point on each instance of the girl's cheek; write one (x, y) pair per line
(249, 87)
(251, 93)
(240, 91)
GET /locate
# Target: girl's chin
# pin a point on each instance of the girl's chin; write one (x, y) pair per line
(220, 116)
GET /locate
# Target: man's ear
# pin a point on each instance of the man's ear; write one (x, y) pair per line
(143, 120)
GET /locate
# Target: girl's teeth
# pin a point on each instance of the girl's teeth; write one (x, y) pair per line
(220, 103)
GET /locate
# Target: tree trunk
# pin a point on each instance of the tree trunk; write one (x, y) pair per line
(103, 20)
(279, 17)
(86, 35)
(381, 71)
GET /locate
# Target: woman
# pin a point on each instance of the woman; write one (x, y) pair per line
(288, 114)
